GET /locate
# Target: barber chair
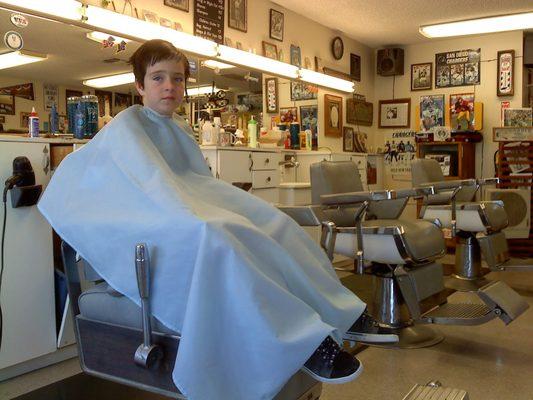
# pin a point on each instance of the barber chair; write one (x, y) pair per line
(401, 255)
(115, 339)
(475, 225)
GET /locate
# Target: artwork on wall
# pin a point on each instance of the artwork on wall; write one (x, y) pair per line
(512, 134)
(166, 23)
(355, 67)
(347, 139)
(309, 118)
(462, 116)
(24, 119)
(122, 101)
(182, 5)
(517, 117)
(303, 91)
(51, 96)
(505, 75)
(7, 104)
(276, 25)
(271, 89)
(431, 112)
(394, 113)
(237, 15)
(150, 16)
(400, 151)
(359, 112)
(457, 68)
(24, 91)
(288, 115)
(270, 50)
(103, 98)
(421, 76)
(296, 55)
(337, 48)
(332, 115)
(359, 142)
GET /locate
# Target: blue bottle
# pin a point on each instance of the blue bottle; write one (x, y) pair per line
(54, 119)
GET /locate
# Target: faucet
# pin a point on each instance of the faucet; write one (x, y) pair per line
(289, 162)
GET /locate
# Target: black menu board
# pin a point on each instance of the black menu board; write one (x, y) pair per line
(209, 19)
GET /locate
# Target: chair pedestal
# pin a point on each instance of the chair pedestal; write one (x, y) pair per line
(468, 275)
(393, 316)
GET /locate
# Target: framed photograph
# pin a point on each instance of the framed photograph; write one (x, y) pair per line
(276, 25)
(7, 104)
(347, 139)
(51, 96)
(237, 15)
(303, 91)
(431, 112)
(512, 134)
(337, 48)
(296, 55)
(182, 5)
(462, 116)
(421, 76)
(309, 118)
(270, 50)
(457, 68)
(272, 99)
(355, 67)
(359, 112)
(288, 115)
(122, 101)
(24, 119)
(395, 113)
(150, 16)
(505, 75)
(517, 117)
(332, 115)
(103, 98)
(359, 142)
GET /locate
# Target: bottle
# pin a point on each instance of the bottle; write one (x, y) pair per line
(33, 123)
(207, 133)
(287, 141)
(79, 119)
(252, 132)
(294, 130)
(54, 119)
(215, 136)
(308, 139)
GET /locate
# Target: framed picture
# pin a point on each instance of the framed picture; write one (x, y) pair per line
(517, 117)
(288, 115)
(333, 115)
(512, 134)
(122, 101)
(182, 5)
(431, 112)
(337, 48)
(276, 25)
(271, 89)
(237, 15)
(24, 119)
(296, 55)
(309, 118)
(421, 76)
(355, 67)
(457, 68)
(395, 113)
(303, 91)
(462, 116)
(7, 104)
(166, 23)
(150, 16)
(359, 112)
(359, 142)
(505, 75)
(347, 139)
(270, 50)
(103, 98)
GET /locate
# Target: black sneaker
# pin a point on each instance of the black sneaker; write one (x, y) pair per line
(367, 330)
(331, 364)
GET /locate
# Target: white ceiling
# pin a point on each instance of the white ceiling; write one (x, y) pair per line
(395, 22)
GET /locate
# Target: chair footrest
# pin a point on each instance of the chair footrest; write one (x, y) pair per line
(459, 314)
(430, 392)
(515, 264)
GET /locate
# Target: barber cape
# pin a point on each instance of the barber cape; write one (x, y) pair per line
(252, 295)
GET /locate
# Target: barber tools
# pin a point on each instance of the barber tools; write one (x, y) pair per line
(24, 191)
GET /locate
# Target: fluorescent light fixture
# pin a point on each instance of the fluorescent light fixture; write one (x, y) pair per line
(216, 64)
(101, 36)
(201, 90)
(16, 58)
(65, 9)
(136, 28)
(254, 61)
(328, 81)
(111, 80)
(481, 25)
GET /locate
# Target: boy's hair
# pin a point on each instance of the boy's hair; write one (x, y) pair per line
(152, 52)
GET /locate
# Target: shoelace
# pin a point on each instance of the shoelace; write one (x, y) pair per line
(329, 349)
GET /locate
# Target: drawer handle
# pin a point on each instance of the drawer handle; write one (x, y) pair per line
(267, 160)
(268, 179)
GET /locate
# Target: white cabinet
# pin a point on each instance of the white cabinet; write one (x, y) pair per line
(305, 160)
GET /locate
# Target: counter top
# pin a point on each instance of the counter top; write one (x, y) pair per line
(276, 150)
(21, 138)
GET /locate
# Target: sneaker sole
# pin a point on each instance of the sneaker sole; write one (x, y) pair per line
(371, 337)
(344, 379)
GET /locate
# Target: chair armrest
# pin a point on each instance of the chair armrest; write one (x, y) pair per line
(353, 197)
(412, 192)
(488, 181)
(455, 184)
(303, 215)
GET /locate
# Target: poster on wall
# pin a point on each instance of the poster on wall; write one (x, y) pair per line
(51, 96)
(400, 151)
(209, 20)
(457, 68)
(431, 111)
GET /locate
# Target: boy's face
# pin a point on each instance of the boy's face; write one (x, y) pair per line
(164, 85)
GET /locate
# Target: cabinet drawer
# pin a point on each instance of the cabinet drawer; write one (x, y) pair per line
(265, 179)
(263, 161)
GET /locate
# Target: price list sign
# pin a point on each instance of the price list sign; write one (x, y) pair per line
(209, 20)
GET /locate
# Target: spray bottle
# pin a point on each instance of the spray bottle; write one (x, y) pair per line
(33, 123)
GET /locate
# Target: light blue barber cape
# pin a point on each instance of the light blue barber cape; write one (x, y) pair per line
(252, 295)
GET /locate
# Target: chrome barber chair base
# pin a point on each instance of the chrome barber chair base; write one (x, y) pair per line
(462, 284)
(413, 337)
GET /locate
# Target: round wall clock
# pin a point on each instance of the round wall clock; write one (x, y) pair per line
(337, 48)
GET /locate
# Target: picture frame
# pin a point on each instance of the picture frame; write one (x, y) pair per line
(337, 47)
(517, 117)
(359, 112)
(103, 96)
(512, 134)
(431, 112)
(296, 55)
(238, 15)
(458, 68)
(421, 76)
(355, 67)
(276, 25)
(288, 115)
(270, 50)
(7, 104)
(303, 91)
(182, 5)
(394, 113)
(462, 116)
(505, 74)
(167, 23)
(121, 102)
(24, 119)
(150, 16)
(309, 118)
(272, 97)
(347, 139)
(332, 115)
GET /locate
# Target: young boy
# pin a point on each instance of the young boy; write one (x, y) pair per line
(248, 290)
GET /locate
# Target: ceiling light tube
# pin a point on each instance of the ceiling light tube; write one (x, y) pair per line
(99, 37)
(22, 57)
(216, 64)
(254, 61)
(327, 81)
(201, 90)
(136, 28)
(64, 9)
(481, 25)
(111, 80)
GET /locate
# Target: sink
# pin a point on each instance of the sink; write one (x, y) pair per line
(295, 193)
